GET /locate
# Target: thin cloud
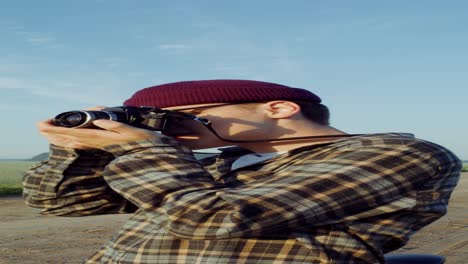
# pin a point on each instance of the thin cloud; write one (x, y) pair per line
(38, 38)
(233, 70)
(93, 93)
(174, 46)
(114, 62)
(15, 83)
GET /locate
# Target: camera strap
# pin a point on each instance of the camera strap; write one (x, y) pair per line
(208, 125)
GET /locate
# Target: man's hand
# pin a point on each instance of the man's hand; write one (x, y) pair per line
(111, 132)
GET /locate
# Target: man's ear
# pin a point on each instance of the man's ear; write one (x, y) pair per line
(281, 109)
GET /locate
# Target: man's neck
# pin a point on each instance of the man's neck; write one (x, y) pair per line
(286, 145)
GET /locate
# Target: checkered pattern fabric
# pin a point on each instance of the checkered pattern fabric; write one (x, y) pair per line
(347, 201)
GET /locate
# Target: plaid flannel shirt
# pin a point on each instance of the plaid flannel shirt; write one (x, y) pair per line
(346, 201)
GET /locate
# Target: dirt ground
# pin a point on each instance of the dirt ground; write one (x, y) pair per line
(28, 237)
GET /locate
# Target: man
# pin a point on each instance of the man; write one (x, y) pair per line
(294, 190)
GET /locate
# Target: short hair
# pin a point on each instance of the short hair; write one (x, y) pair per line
(315, 112)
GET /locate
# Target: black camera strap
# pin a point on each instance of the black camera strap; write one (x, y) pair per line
(209, 127)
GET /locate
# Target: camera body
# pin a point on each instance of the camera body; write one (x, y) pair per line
(142, 117)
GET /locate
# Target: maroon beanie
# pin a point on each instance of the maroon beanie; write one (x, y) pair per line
(216, 91)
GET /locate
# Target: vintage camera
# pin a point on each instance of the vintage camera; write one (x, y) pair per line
(143, 117)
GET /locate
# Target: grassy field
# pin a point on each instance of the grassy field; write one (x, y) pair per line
(11, 176)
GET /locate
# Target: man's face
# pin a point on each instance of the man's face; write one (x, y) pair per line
(230, 121)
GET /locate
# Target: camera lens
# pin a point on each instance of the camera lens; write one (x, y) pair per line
(74, 119)
(83, 118)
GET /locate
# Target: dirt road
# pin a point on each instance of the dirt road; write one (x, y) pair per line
(30, 238)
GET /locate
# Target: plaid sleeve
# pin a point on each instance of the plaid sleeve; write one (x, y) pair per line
(165, 181)
(70, 183)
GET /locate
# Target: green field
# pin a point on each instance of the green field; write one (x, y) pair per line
(11, 175)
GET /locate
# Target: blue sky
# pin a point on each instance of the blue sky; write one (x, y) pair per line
(380, 66)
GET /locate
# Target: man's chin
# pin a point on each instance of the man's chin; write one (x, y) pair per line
(195, 142)
(187, 138)
(192, 142)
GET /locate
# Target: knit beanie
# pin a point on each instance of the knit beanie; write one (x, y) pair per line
(217, 91)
